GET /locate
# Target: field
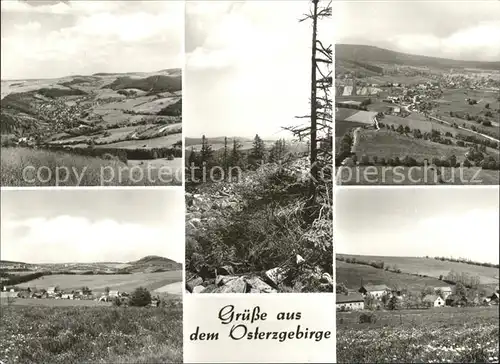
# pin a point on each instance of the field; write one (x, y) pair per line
(70, 335)
(353, 275)
(431, 267)
(389, 144)
(455, 335)
(97, 283)
(381, 175)
(83, 170)
(137, 115)
(36, 302)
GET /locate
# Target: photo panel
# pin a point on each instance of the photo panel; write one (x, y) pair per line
(417, 95)
(92, 93)
(259, 182)
(86, 278)
(417, 275)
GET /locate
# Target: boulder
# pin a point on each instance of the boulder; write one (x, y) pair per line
(238, 285)
(198, 289)
(193, 282)
(222, 280)
(257, 285)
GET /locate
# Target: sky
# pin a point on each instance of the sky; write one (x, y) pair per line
(71, 225)
(457, 222)
(50, 39)
(448, 29)
(247, 67)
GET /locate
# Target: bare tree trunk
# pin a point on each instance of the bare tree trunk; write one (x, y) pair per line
(314, 143)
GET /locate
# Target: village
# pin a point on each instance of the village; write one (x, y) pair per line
(117, 298)
(381, 297)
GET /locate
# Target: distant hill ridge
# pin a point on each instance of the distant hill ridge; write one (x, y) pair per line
(367, 53)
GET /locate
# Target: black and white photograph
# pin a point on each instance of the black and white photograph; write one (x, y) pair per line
(417, 92)
(258, 147)
(91, 93)
(87, 279)
(417, 274)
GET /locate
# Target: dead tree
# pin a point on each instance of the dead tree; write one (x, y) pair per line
(319, 130)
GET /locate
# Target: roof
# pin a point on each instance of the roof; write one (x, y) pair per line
(443, 289)
(430, 298)
(375, 287)
(346, 298)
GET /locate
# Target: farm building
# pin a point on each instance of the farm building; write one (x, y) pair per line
(445, 291)
(114, 293)
(350, 302)
(433, 300)
(376, 290)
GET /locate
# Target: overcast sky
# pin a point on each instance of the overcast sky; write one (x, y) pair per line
(451, 29)
(248, 67)
(458, 222)
(40, 226)
(45, 39)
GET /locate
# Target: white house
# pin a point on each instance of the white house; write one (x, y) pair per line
(68, 296)
(433, 300)
(376, 290)
(350, 302)
(114, 293)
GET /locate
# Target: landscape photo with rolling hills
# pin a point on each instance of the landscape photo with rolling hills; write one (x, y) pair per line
(411, 119)
(412, 283)
(85, 279)
(104, 122)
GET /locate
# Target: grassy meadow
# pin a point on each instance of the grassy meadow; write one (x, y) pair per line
(354, 275)
(389, 144)
(453, 335)
(427, 266)
(70, 335)
(93, 171)
(98, 282)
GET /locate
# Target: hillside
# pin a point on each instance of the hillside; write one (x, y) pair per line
(429, 269)
(354, 275)
(134, 117)
(152, 263)
(371, 54)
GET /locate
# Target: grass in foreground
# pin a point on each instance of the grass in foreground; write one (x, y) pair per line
(467, 335)
(55, 168)
(90, 335)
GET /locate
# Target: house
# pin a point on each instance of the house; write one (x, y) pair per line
(350, 302)
(51, 291)
(375, 290)
(433, 300)
(67, 296)
(494, 298)
(114, 294)
(444, 291)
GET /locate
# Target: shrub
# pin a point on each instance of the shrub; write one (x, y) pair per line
(140, 297)
(369, 318)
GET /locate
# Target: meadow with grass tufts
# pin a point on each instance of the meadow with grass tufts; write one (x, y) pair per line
(466, 335)
(90, 334)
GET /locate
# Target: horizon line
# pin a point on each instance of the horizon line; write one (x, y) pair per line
(416, 54)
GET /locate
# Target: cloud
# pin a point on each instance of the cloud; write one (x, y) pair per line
(466, 31)
(91, 37)
(247, 67)
(475, 41)
(79, 239)
(31, 26)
